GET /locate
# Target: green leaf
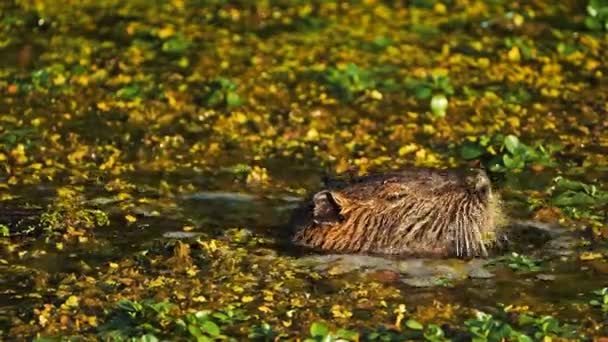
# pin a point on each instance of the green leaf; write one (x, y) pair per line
(515, 162)
(414, 325)
(4, 230)
(176, 45)
(204, 338)
(211, 328)
(381, 42)
(470, 151)
(194, 330)
(512, 144)
(422, 92)
(347, 334)
(233, 99)
(439, 105)
(129, 92)
(148, 338)
(571, 198)
(319, 329)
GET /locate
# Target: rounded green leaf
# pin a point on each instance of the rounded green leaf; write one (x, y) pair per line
(319, 329)
(439, 105)
(414, 325)
(422, 92)
(194, 330)
(514, 162)
(211, 328)
(470, 151)
(347, 334)
(511, 143)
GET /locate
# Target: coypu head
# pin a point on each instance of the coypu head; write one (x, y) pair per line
(417, 212)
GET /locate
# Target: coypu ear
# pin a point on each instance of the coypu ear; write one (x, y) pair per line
(326, 208)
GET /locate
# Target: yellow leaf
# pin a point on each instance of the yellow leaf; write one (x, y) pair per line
(199, 299)
(585, 256)
(72, 301)
(92, 320)
(247, 299)
(59, 80)
(265, 309)
(513, 55)
(166, 32)
(103, 106)
(340, 312)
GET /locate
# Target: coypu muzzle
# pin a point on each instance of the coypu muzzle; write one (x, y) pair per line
(413, 212)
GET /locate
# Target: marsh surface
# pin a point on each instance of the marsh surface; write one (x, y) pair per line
(165, 144)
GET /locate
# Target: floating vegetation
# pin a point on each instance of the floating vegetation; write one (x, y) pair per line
(507, 153)
(151, 153)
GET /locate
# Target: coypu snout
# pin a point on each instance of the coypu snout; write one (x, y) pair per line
(414, 212)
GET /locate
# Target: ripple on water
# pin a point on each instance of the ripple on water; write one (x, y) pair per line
(414, 271)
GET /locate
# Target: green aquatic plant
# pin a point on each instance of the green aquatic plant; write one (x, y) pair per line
(502, 153)
(434, 333)
(221, 93)
(4, 230)
(137, 318)
(486, 328)
(425, 88)
(67, 214)
(129, 92)
(526, 327)
(230, 315)
(545, 327)
(319, 332)
(263, 332)
(384, 335)
(435, 88)
(519, 263)
(349, 82)
(200, 326)
(579, 200)
(597, 15)
(176, 45)
(566, 193)
(600, 300)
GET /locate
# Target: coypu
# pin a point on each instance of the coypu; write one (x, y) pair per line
(412, 212)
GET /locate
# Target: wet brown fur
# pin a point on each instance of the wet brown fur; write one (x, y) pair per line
(415, 212)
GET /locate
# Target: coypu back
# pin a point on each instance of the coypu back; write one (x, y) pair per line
(413, 212)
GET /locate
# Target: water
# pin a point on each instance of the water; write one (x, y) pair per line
(205, 124)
